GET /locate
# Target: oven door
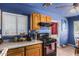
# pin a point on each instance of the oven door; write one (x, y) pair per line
(50, 49)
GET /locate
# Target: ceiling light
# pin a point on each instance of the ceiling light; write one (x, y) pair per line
(75, 10)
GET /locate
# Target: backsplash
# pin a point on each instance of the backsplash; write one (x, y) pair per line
(44, 30)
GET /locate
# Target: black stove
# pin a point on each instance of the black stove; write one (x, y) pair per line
(49, 44)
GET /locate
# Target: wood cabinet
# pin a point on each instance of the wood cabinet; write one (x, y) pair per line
(34, 50)
(48, 19)
(37, 18)
(16, 52)
(43, 18)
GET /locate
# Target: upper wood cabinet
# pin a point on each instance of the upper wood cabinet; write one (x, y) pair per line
(37, 18)
(48, 19)
(43, 18)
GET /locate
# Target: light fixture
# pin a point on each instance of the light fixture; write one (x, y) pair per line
(75, 10)
(46, 4)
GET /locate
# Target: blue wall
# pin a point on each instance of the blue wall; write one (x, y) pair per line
(27, 10)
(71, 28)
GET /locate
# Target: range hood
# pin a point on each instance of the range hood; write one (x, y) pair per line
(43, 24)
(44, 27)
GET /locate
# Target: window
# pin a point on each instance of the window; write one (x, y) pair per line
(13, 24)
(8, 24)
(76, 28)
(21, 24)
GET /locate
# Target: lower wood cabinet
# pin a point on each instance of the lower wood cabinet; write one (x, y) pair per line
(32, 50)
(16, 52)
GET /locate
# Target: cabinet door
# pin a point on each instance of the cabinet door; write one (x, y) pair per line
(48, 19)
(34, 52)
(37, 52)
(8, 24)
(16, 52)
(43, 18)
(35, 20)
(22, 22)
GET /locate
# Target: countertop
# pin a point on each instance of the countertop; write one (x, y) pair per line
(4, 52)
(10, 45)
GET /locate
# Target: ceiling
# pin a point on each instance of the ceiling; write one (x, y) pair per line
(60, 11)
(33, 7)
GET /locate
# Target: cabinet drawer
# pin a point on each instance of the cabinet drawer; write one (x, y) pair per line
(34, 46)
(16, 50)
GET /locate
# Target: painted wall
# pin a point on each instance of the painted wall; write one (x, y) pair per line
(27, 10)
(71, 29)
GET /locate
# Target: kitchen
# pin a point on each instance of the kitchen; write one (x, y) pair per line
(26, 34)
